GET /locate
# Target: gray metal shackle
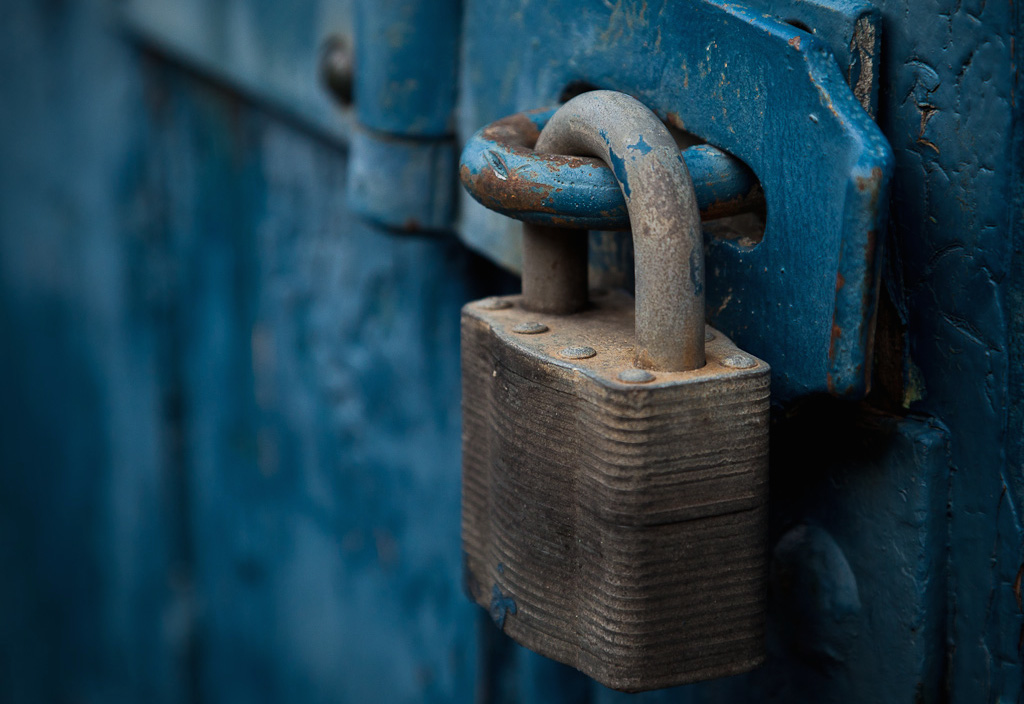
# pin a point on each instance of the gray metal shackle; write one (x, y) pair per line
(664, 217)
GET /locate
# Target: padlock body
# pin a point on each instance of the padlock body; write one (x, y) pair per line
(616, 527)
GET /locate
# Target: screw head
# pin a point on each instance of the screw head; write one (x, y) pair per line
(708, 336)
(531, 328)
(493, 303)
(578, 352)
(337, 67)
(635, 376)
(739, 360)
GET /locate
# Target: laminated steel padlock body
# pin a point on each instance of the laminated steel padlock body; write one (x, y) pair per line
(614, 519)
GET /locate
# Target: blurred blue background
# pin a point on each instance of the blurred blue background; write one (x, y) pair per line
(229, 428)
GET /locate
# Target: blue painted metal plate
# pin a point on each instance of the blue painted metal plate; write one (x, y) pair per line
(772, 95)
(265, 49)
(403, 156)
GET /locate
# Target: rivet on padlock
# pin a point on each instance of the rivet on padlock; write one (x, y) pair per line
(615, 489)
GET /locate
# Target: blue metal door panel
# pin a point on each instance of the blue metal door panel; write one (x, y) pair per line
(317, 370)
(86, 529)
(229, 430)
(268, 51)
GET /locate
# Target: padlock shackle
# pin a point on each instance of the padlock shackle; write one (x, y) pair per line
(663, 213)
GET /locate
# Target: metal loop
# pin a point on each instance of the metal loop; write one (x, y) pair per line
(501, 170)
(667, 242)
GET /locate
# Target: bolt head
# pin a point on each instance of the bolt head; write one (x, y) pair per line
(578, 352)
(739, 360)
(337, 68)
(531, 328)
(635, 376)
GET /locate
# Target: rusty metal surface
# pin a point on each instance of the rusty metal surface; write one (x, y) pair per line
(501, 170)
(662, 206)
(554, 269)
(587, 495)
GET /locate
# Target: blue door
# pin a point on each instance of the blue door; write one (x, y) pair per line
(234, 247)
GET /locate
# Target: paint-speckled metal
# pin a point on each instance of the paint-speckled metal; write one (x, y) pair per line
(665, 222)
(501, 170)
(403, 156)
(803, 298)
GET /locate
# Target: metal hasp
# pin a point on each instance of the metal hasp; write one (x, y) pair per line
(615, 454)
(402, 159)
(773, 96)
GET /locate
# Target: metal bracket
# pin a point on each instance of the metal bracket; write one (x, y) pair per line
(763, 90)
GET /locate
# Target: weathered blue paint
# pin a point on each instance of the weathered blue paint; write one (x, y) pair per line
(266, 50)
(581, 192)
(402, 184)
(405, 82)
(93, 609)
(950, 337)
(406, 66)
(952, 112)
(501, 606)
(804, 297)
(316, 371)
(229, 421)
(852, 30)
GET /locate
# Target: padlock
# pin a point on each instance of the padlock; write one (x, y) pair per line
(615, 454)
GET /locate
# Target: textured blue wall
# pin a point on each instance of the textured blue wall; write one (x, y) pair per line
(86, 540)
(230, 424)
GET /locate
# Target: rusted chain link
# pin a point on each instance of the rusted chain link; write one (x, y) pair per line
(501, 170)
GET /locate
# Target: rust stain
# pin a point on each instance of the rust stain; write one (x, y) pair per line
(871, 184)
(749, 202)
(837, 332)
(865, 183)
(644, 361)
(513, 194)
(831, 383)
(518, 131)
(827, 98)
(1016, 588)
(516, 191)
(795, 43)
(673, 119)
(927, 113)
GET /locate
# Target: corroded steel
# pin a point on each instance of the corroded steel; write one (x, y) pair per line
(662, 207)
(554, 269)
(501, 169)
(614, 521)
